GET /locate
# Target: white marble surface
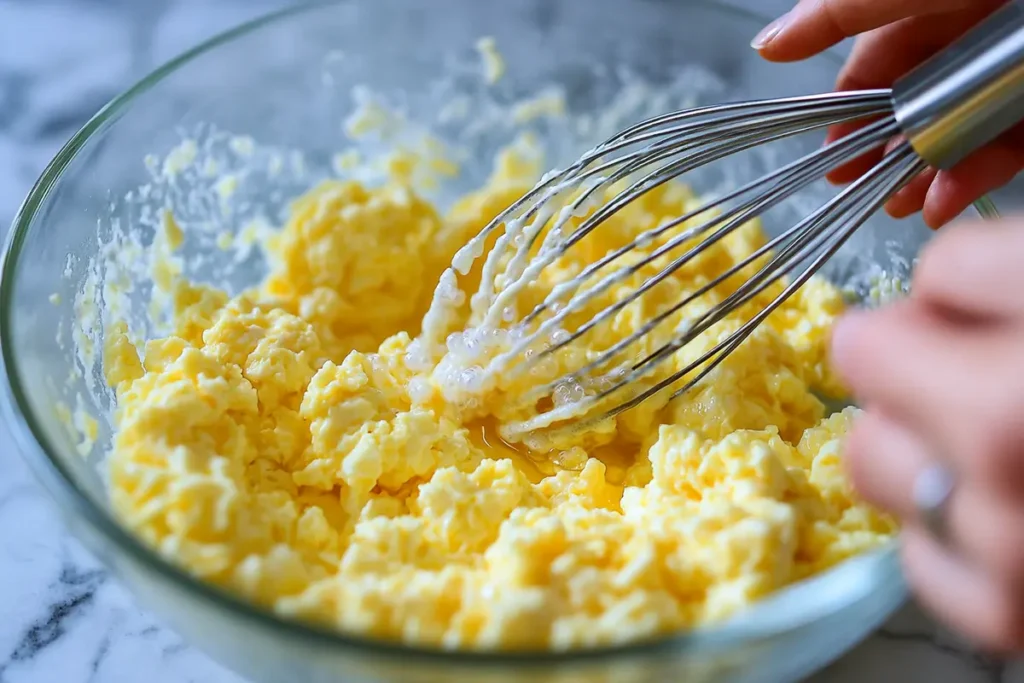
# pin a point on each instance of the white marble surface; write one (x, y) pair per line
(63, 617)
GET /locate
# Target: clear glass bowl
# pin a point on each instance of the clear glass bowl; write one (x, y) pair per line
(286, 81)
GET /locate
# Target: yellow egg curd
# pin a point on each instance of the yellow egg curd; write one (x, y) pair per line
(293, 445)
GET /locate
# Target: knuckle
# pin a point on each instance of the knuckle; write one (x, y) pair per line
(835, 12)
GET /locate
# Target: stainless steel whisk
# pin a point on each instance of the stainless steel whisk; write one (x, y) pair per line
(948, 107)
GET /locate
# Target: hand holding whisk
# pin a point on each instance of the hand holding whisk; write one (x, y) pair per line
(951, 105)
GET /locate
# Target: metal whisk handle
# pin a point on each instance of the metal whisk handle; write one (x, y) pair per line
(968, 94)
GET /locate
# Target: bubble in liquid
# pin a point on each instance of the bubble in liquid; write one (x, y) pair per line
(535, 443)
(573, 459)
(456, 343)
(508, 314)
(559, 337)
(471, 379)
(416, 356)
(568, 392)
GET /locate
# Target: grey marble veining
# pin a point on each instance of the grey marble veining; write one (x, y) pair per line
(64, 618)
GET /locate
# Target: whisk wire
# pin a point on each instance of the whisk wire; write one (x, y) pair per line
(953, 104)
(878, 100)
(794, 177)
(893, 173)
(861, 199)
(514, 279)
(848, 106)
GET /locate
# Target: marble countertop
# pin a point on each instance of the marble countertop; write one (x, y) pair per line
(64, 618)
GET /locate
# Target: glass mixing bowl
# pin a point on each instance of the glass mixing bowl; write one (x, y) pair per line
(286, 81)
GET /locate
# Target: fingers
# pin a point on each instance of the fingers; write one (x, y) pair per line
(976, 579)
(854, 169)
(983, 171)
(814, 25)
(911, 198)
(880, 57)
(877, 60)
(953, 384)
(900, 341)
(944, 195)
(885, 459)
(967, 267)
(987, 610)
(894, 38)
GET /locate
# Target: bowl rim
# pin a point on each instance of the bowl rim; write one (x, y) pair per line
(36, 448)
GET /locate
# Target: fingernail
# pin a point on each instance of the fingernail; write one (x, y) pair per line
(896, 207)
(769, 32)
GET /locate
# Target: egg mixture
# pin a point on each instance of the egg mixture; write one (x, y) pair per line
(300, 444)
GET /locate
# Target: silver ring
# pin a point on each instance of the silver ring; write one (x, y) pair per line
(933, 490)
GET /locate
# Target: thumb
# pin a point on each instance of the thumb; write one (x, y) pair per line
(814, 25)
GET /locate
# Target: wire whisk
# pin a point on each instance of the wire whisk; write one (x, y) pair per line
(951, 105)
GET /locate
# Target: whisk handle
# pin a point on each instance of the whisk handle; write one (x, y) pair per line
(968, 94)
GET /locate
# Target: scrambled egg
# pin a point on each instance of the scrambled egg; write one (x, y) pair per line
(493, 63)
(283, 444)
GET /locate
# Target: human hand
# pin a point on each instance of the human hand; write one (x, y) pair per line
(941, 376)
(894, 36)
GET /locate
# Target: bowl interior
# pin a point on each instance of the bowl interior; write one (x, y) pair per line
(270, 106)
